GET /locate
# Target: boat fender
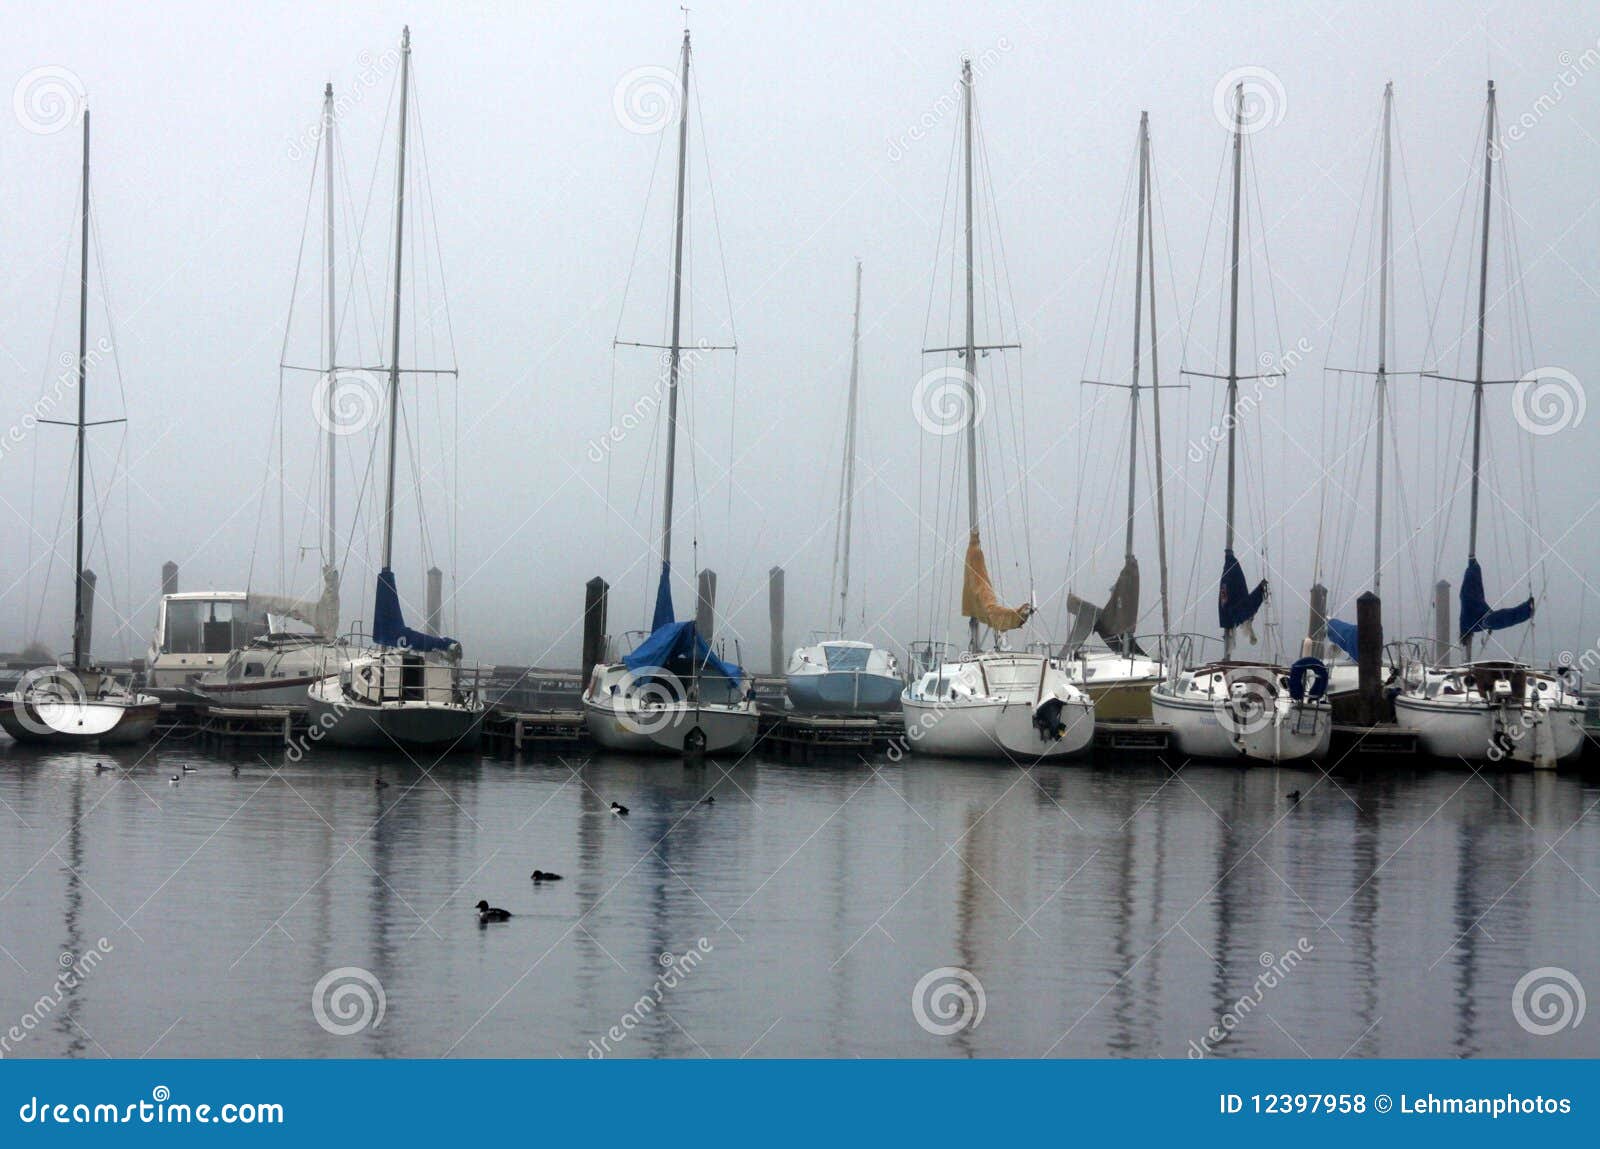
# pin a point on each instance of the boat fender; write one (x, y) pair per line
(1318, 671)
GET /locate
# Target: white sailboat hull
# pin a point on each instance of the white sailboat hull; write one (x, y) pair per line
(990, 707)
(102, 722)
(669, 729)
(1209, 720)
(1481, 732)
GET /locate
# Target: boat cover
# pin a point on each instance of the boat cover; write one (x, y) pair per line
(663, 614)
(1236, 603)
(1343, 635)
(978, 599)
(679, 649)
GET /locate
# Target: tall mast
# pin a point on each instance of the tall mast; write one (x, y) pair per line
(848, 491)
(1138, 321)
(971, 347)
(78, 619)
(673, 351)
(1381, 399)
(1483, 304)
(1155, 373)
(1233, 334)
(394, 342)
(327, 230)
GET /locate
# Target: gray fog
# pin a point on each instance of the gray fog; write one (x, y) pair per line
(820, 133)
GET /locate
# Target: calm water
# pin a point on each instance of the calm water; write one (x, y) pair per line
(1118, 911)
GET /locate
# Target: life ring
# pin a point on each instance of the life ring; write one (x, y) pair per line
(1297, 679)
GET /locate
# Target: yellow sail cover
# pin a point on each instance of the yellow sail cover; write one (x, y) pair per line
(978, 598)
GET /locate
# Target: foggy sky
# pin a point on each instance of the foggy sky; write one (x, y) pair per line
(828, 132)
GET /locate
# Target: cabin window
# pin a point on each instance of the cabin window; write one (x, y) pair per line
(846, 657)
(207, 626)
(254, 670)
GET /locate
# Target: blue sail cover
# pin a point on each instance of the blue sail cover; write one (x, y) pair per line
(1475, 613)
(389, 624)
(1343, 635)
(663, 614)
(678, 648)
(1236, 602)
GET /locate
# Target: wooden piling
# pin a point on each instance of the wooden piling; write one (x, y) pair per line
(775, 617)
(594, 625)
(169, 578)
(1317, 627)
(435, 599)
(705, 615)
(1369, 657)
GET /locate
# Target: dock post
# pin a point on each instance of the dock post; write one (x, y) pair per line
(1369, 657)
(89, 581)
(594, 630)
(169, 578)
(435, 599)
(1441, 622)
(705, 615)
(775, 616)
(1317, 627)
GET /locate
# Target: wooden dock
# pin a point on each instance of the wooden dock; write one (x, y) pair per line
(1381, 741)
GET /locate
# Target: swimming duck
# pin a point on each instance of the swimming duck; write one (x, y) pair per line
(173, 779)
(488, 913)
(544, 876)
(100, 766)
(188, 769)
(710, 800)
(619, 810)
(1294, 797)
(379, 783)
(236, 771)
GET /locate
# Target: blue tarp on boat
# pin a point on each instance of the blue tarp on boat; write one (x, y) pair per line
(1475, 613)
(679, 649)
(1343, 635)
(1236, 602)
(389, 623)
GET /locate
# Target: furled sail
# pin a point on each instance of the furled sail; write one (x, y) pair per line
(322, 615)
(663, 613)
(1237, 604)
(978, 600)
(1476, 617)
(1121, 613)
(389, 624)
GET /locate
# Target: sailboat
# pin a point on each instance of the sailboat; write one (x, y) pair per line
(672, 694)
(1254, 710)
(276, 669)
(990, 703)
(396, 695)
(840, 674)
(79, 703)
(1120, 674)
(1488, 710)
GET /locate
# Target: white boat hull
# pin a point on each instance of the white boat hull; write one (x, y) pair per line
(668, 729)
(985, 728)
(1208, 720)
(391, 726)
(837, 691)
(1481, 732)
(90, 721)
